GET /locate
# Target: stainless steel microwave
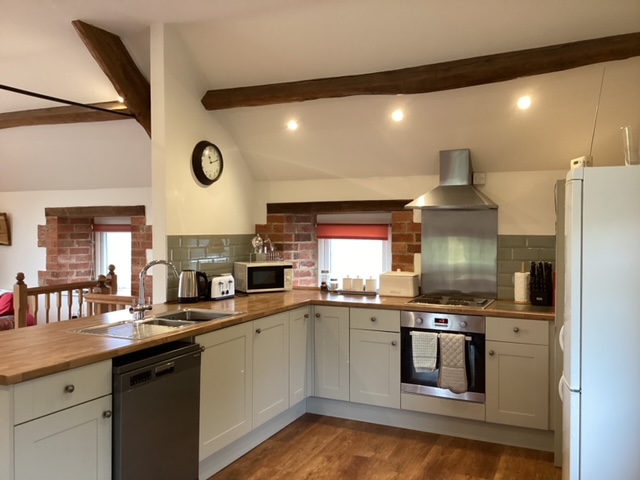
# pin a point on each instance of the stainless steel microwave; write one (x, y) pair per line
(258, 277)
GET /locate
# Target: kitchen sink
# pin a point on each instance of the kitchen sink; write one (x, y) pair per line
(195, 315)
(156, 325)
(137, 329)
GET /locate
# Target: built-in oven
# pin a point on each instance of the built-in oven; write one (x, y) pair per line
(422, 378)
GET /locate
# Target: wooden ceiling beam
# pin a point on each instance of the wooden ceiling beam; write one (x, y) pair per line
(118, 65)
(60, 115)
(436, 77)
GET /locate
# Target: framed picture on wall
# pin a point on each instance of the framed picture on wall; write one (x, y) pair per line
(5, 232)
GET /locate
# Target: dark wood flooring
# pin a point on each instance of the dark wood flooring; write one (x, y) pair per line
(317, 447)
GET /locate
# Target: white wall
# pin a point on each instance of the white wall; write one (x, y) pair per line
(179, 121)
(26, 212)
(525, 199)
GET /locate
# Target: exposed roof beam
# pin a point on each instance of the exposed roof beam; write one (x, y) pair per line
(60, 115)
(116, 62)
(436, 77)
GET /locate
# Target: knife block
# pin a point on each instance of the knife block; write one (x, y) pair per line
(541, 297)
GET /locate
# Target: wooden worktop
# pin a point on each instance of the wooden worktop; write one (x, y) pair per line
(33, 352)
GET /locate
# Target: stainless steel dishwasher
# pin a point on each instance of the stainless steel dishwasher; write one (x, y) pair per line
(156, 406)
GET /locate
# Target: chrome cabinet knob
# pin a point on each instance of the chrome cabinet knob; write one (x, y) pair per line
(306, 315)
(516, 329)
(69, 388)
(106, 414)
(317, 315)
(394, 343)
(258, 331)
(373, 319)
(492, 353)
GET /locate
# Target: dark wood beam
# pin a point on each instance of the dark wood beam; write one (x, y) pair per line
(60, 115)
(312, 208)
(436, 77)
(116, 62)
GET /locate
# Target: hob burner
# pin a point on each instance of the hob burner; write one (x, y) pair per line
(451, 301)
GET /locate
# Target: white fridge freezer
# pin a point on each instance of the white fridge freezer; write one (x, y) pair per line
(600, 386)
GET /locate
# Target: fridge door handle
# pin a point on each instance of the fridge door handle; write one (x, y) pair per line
(560, 388)
(561, 338)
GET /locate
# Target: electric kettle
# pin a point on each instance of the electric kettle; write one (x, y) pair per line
(192, 286)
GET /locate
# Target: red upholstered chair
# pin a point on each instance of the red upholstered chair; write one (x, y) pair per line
(7, 314)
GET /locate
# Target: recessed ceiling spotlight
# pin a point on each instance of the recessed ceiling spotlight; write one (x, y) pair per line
(397, 115)
(524, 102)
(292, 125)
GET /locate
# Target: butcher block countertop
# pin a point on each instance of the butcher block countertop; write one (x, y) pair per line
(33, 352)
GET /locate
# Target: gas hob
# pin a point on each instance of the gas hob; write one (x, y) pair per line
(451, 301)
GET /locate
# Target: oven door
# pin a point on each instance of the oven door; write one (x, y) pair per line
(426, 383)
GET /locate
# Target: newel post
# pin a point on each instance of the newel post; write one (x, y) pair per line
(112, 280)
(20, 302)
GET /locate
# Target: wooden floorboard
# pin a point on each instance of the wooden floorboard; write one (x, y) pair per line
(316, 447)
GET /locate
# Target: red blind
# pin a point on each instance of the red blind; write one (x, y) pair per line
(353, 232)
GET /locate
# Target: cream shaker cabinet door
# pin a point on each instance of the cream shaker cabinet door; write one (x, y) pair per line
(225, 387)
(299, 354)
(331, 328)
(270, 367)
(375, 368)
(72, 444)
(517, 384)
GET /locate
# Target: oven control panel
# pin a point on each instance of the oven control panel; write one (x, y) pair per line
(444, 322)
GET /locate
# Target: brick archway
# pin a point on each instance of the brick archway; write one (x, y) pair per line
(68, 238)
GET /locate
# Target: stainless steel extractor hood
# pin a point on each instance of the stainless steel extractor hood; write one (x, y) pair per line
(456, 190)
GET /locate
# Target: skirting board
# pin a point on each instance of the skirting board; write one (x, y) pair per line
(425, 422)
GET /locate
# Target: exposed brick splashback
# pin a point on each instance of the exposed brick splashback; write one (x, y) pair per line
(406, 237)
(295, 237)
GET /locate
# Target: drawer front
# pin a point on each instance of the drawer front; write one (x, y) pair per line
(52, 393)
(535, 332)
(374, 319)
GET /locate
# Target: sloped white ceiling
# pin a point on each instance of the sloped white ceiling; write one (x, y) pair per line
(258, 41)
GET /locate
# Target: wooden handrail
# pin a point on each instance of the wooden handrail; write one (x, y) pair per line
(28, 298)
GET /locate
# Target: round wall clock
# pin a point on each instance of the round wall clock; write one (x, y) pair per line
(206, 162)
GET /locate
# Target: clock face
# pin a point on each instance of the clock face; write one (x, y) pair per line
(206, 162)
(211, 162)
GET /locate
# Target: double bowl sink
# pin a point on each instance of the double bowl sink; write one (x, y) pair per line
(157, 324)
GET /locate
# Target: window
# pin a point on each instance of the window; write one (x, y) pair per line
(354, 249)
(113, 247)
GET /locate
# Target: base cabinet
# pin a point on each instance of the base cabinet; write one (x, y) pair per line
(331, 328)
(517, 381)
(374, 374)
(299, 355)
(73, 444)
(375, 368)
(225, 387)
(270, 367)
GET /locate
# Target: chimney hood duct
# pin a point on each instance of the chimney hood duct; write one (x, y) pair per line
(456, 190)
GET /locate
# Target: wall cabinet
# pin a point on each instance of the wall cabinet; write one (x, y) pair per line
(63, 425)
(374, 372)
(299, 355)
(517, 381)
(225, 387)
(331, 341)
(270, 367)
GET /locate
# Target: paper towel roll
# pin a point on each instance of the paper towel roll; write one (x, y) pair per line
(521, 287)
